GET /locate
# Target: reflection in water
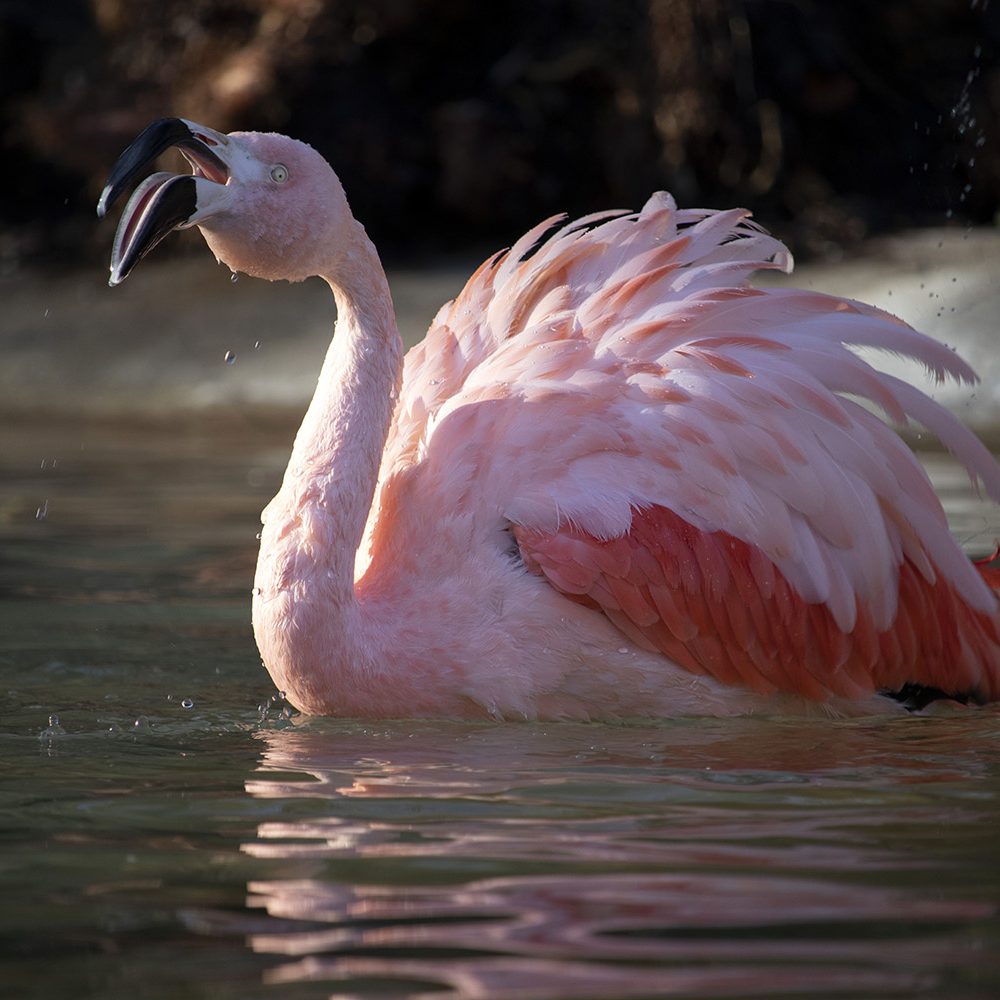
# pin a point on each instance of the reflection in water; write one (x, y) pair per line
(701, 858)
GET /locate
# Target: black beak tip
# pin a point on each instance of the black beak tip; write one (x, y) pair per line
(169, 201)
(153, 140)
(102, 205)
(172, 199)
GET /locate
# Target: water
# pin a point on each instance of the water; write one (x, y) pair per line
(162, 839)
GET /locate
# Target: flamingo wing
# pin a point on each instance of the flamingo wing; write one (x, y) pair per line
(701, 460)
(717, 606)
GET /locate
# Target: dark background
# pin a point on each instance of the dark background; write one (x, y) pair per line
(458, 124)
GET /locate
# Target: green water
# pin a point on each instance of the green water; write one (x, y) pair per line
(165, 840)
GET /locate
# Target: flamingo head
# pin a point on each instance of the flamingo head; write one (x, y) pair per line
(267, 205)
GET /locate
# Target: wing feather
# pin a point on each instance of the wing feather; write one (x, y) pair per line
(717, 606)
(699, 459)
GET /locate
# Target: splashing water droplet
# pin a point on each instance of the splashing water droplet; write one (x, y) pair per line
(234, 277)
(52, 730)
(276, 711)
(229, 357)
(187, 703)
(256, 345)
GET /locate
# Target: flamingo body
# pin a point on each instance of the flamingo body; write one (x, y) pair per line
(613, 480)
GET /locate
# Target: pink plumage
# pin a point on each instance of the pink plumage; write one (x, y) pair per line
(613, 480)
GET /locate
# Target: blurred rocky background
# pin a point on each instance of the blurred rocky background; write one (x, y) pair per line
(458, 124)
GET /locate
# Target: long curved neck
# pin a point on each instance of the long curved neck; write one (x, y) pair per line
(306, 616)
(337, 451)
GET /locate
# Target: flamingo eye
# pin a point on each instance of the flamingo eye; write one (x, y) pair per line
(279, 173)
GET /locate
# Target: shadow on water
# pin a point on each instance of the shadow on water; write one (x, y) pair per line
(161, 840)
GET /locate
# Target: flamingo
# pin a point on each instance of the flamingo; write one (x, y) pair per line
(614, 480)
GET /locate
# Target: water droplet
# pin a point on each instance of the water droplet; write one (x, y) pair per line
(43, 512)
(187, 703)
(257, 536)
(229, 357)
(257, 591)
(256, 345)
(234, 277)
(114, 729)
(52, 730)
(282, 695)
(623, 649)
(45, 315)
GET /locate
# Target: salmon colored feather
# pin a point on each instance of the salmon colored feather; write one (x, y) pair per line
(614, 479)
(710, 603)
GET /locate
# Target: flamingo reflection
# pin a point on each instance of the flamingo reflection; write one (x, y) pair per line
(592, 861)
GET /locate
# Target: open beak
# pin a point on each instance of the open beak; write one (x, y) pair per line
(164, 202)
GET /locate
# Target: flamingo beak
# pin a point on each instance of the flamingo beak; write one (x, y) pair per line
(164, 202)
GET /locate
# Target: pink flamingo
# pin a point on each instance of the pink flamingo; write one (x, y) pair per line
(614, 480)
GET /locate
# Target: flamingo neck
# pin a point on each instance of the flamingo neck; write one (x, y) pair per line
(314, 526)
(338, 448)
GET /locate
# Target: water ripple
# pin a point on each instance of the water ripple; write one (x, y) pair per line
(716, 860)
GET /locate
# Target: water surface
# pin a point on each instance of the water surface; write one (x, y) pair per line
(165, 837)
